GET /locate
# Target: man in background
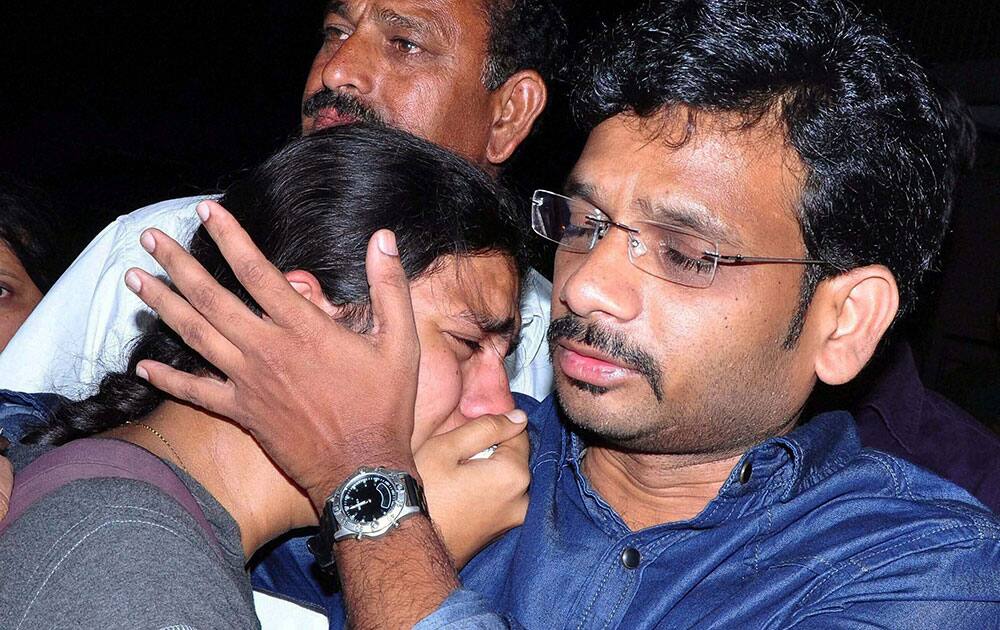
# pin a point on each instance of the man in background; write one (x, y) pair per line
(469, 75)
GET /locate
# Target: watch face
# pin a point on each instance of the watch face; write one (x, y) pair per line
(368, 498)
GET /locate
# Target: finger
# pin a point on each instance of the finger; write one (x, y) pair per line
(255, 272)
(518, 448)
(6, 485)
(481, 433)
(390, 292)
(228, 313)
(183, 319)
(201, 391)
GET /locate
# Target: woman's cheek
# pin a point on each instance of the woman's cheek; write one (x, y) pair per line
(439, 390)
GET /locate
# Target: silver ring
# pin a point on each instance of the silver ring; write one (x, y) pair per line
(486, 453)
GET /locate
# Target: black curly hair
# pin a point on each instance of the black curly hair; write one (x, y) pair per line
(524, 34)
(859, 111)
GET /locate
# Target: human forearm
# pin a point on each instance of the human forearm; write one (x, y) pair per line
(394, 580)
(397, 580)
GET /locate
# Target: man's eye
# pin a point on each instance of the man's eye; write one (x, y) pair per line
(333, 33)
(4, 292)
(699, 266)
(405, 46)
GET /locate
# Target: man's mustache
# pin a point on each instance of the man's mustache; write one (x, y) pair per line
(614, 345)
(344, 103)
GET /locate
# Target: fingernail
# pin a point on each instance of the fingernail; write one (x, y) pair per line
(517, 416)
(387, 243)
(133, 281)
(204, 211)
(147, 241)
(141, 372)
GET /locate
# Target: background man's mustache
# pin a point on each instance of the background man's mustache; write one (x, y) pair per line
(344, 103)
(615, 345)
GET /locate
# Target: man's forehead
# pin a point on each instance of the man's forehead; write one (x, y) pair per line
(652, 205)
(443, 16)
(708, 177)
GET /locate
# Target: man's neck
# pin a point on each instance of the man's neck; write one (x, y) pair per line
(229, 464)
(647, 490)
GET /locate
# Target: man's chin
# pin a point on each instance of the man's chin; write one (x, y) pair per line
(585, 405)
(610, 415)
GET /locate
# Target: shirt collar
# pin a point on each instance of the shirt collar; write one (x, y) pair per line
(776, 470)
(815, 450)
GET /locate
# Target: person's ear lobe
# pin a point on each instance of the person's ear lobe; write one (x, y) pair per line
(306, 285)
(860, 306)
(517, 105)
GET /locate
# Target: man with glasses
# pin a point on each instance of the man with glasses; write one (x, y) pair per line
(763, 187)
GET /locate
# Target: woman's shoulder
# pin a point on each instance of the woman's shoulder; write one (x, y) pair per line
(104, 520)
(123, 544)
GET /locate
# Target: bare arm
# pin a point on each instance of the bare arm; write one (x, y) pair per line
(321, 400)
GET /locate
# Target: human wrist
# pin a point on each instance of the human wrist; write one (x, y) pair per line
(338, 469)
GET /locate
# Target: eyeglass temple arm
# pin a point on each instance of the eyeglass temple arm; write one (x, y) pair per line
(737, 259)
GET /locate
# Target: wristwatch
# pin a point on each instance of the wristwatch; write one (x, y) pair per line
(368, 505)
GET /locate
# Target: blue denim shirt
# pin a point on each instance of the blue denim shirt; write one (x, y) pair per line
(809, 531)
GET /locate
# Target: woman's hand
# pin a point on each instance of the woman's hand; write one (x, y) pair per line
(6, 485)
(472, 502)
(320, 399)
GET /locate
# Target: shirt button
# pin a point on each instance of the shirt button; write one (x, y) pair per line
(630, 558)
(746, 472)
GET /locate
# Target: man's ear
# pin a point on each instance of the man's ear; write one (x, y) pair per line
(855, 310)
(308, 287)
(517, 105)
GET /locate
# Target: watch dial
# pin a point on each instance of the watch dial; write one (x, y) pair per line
(368, 499)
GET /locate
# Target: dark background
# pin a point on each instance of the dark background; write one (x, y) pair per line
(112, 105)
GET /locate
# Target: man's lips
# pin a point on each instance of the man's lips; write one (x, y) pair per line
(583, 363)
(331, 117)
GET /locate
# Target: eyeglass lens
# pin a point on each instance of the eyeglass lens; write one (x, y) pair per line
(665, 253)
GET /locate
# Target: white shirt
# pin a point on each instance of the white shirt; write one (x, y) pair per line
(83, 326)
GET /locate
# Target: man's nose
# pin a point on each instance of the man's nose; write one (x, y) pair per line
(601, 283)
(486, 389)
(352, 67)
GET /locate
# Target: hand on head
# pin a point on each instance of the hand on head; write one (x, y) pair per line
(319, 399)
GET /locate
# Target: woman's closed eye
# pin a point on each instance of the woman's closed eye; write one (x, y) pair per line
(467, 345)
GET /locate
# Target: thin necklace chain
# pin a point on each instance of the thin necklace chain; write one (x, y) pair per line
(180, 462)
